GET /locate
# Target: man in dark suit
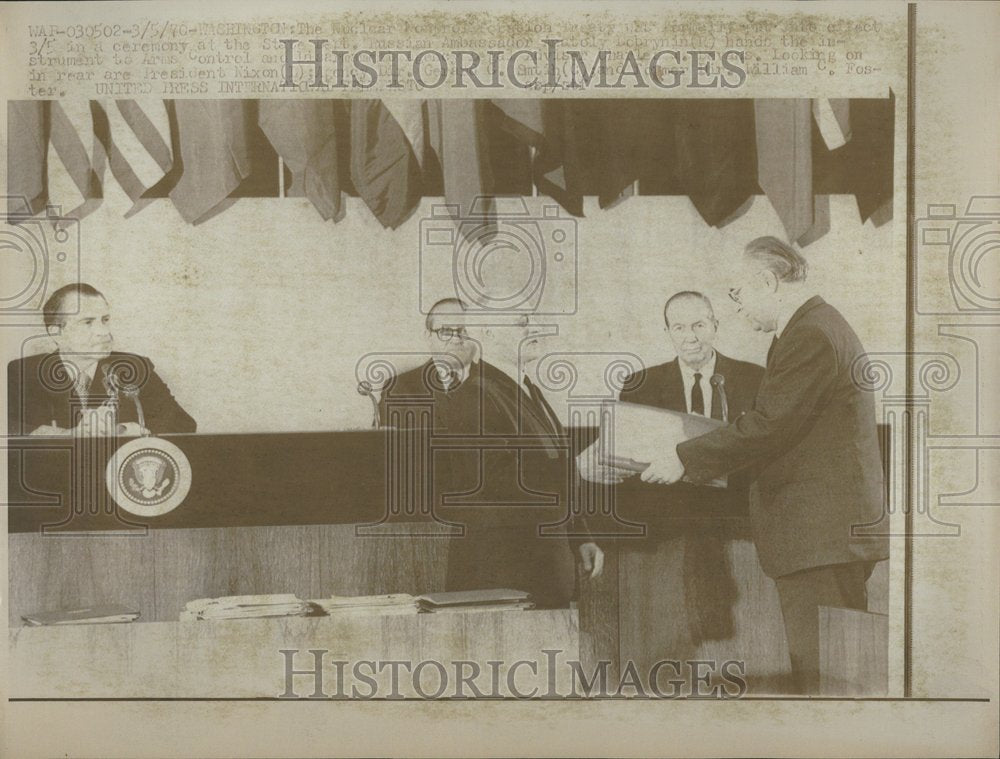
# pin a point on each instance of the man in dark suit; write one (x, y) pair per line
(486, 488)
(519, 486)
(442, 380)
(689, 535)
(811, 438)
(685, 384)
(64, 391)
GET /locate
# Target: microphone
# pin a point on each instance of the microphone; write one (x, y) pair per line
(115, 387)
(365, 388)
(719, 383)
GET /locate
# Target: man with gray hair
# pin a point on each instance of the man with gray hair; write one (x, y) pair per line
(811, 443)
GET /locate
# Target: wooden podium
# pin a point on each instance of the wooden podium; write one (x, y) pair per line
(282, 513)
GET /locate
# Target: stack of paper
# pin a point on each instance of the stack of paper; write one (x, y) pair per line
(355, 606)
(92, 615)
(246, 607)
(499, 599)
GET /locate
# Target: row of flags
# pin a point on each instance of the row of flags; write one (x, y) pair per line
(391, 153)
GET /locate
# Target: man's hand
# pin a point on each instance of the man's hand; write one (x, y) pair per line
(591, 469)
(665, 469)
(592, 558)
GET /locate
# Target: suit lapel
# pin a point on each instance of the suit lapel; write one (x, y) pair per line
(672, 389)
(519, 407)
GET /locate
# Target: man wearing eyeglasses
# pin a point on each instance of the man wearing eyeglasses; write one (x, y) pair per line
(452, 358)
(811, 442)
(518, 484)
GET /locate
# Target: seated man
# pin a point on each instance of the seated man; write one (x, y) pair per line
(442, 379)
(64, 391)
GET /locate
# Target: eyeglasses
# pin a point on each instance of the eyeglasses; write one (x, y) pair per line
(734, 295)
(448, 334)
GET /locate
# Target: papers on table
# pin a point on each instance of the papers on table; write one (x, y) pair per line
(391, 604)
(246, 607)
(350, 606)
(106, 614)
(501, 599)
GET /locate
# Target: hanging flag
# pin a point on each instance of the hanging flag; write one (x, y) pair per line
(137, 142)
(304, 134)
(872, 158)
(211, 156)
(409, 114)
(784, 160)
(76, 158)
(384, 167)
(558, 134)
(833, 119)
(457, 136)
(863, 166)
(27, 146)
(715, 155)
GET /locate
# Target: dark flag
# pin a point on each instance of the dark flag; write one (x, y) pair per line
(304, 134)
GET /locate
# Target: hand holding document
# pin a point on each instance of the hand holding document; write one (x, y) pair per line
(644, 439)
(588, 464)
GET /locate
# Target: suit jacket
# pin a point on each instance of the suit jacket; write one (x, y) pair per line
(407, 397)
(812, 437)
(511, 496)
(39, 391)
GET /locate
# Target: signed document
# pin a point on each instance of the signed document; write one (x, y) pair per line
(633, 434)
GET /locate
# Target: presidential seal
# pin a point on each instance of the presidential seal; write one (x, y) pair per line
(148, 476)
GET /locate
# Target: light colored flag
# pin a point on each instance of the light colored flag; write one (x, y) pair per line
(138, 145)
(26, 157)
(409, 114)
(76, 158)
(833, 119)
(784, 160)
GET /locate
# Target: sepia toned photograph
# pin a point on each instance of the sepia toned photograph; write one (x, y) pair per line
(476, 380)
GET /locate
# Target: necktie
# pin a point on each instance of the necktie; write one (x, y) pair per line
(82, 387)
(451, 381)
(697, 398)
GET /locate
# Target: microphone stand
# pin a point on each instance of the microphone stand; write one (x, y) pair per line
(114, 388)
(719, 383)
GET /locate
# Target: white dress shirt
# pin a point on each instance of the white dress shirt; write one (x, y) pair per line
(706, 372)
